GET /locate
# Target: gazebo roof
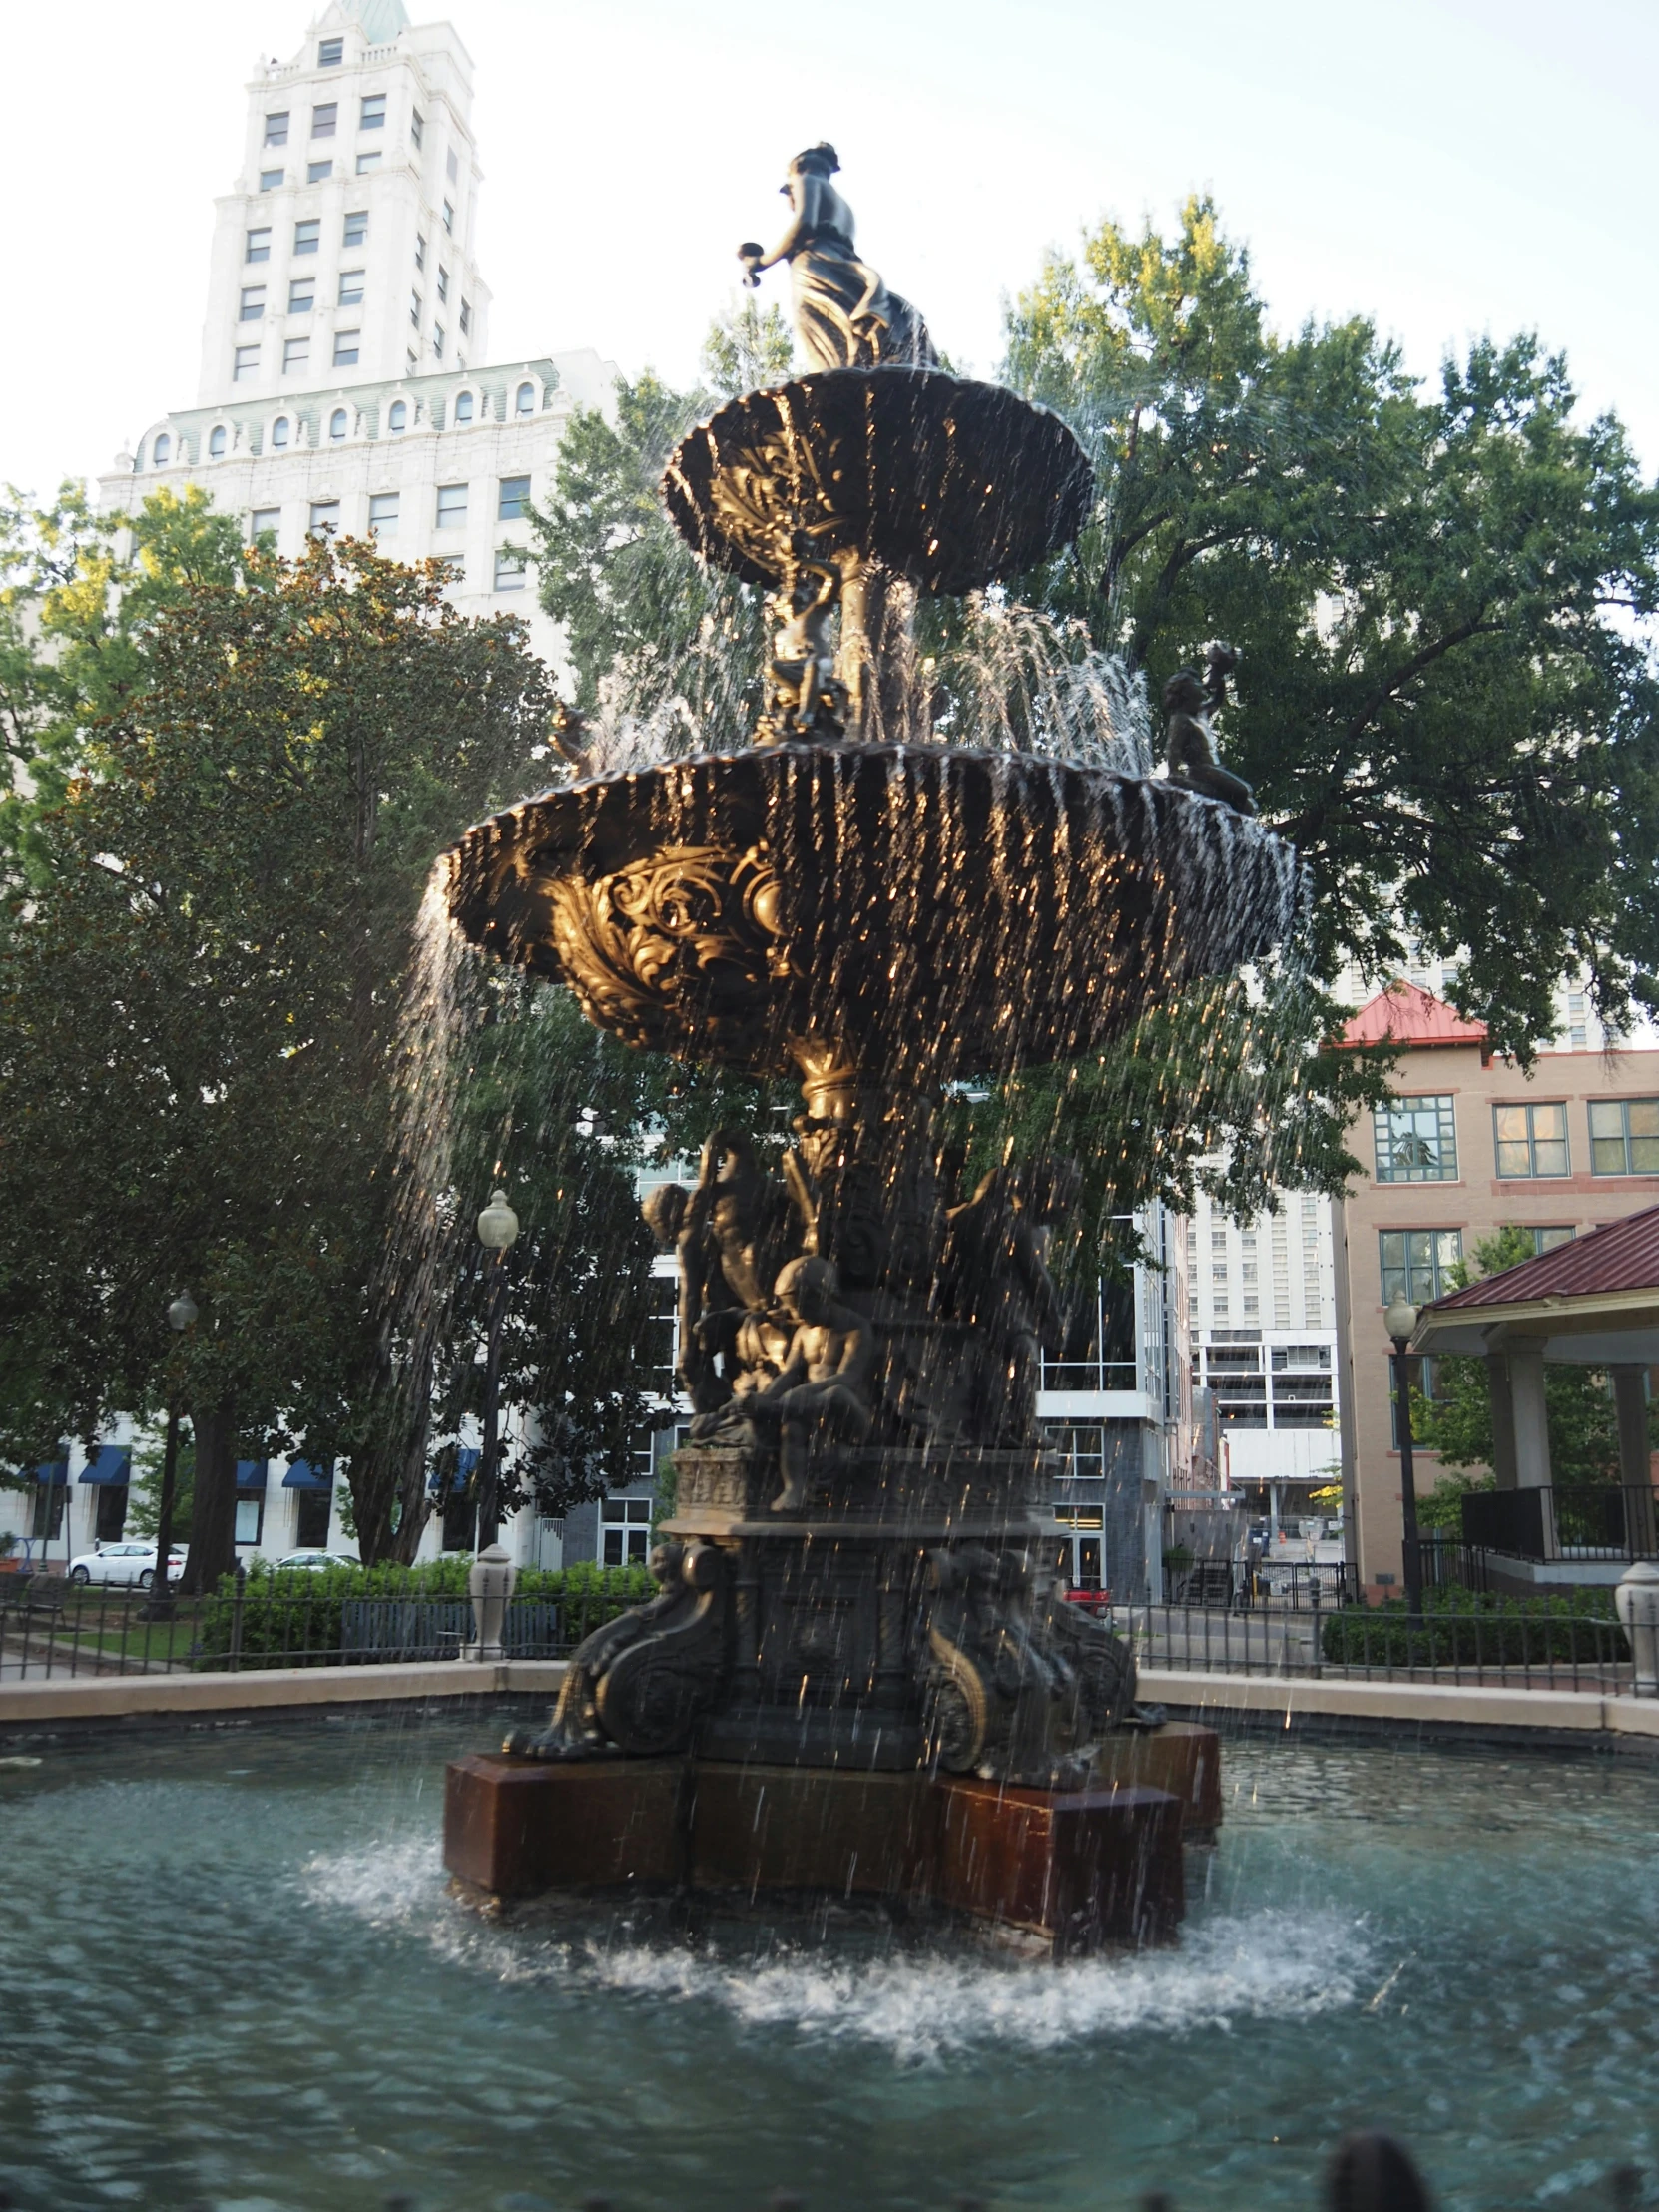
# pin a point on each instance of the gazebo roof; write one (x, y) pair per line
(1590, 1301)
(1406, 1014)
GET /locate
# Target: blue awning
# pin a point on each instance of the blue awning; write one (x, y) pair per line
(309, 1475)
(466, 1462)
(107, 1465)
(250, 1474)
(52, 1472)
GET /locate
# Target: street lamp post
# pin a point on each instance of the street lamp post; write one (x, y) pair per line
(1400, 1321)
(179, 1315)
(497, 1233)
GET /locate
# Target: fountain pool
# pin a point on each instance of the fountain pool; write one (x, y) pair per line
(232, 1974)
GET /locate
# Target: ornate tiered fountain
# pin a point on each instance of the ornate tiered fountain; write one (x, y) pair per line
(860, 1674)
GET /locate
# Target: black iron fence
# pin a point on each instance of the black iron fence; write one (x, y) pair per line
(1602, 1520)
(52, 1629)
(1459, 1637)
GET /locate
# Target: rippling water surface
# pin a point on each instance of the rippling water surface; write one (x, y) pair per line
(229, 1974)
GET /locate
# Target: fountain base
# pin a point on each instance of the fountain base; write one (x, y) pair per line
(1073, 1867)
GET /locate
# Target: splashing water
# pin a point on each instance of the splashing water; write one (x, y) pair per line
(919, 2005)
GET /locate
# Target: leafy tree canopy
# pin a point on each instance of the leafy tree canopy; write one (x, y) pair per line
(1444, 696)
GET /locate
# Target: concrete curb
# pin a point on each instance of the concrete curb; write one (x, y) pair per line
(1445, 1704)
(1287, 1696)
(112, 1697)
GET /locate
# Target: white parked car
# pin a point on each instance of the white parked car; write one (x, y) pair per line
(125, 1566)
(317, 1562)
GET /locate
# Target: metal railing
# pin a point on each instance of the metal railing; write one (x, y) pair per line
(1602, 1520)
(50, 1629)
(1469, 1644)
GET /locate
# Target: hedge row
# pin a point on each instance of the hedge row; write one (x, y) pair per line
(294, 1617)
(1469, 1628)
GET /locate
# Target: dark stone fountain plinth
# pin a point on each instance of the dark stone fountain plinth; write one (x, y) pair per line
(860, 1676)
(1100, 1864)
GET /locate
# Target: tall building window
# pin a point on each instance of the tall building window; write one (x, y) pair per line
(415, 304)
(437, 341)
(270, 179)
(345, 348)
(453, 164)
(463, 406)
(367, 162)
(449, 217)
(356, 228)
(325, 119)
(1546, 1239)
(1578, 1028)
(373, 116)
(297, 355)
(417, 127)
(1416, 1141)
(338, 423)
(217, 442)
(382, 512)
(250, 1486)
(245, 363)
(307, 236)
(443, 281)
(301, 294)
(526, 401)
(625, 1531)
(515, 498)
(451, 506)
(398, 416)
(324, 521)
(259, 246)
(351, 287)
(162, 451)
(277, 128)
(420, 251)
(1532, 1140)
(466, 316)
(1624, 1136)
(331, 53)
(510, 567)
(253, 303)
(265, 522)
(1418, 1263)
(280, 432)
(319, 173)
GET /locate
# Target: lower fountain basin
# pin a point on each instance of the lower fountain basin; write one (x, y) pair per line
(925, 911)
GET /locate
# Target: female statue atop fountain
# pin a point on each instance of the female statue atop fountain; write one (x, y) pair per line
(845, 316)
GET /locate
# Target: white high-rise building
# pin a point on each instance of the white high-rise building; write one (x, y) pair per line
(345, 382)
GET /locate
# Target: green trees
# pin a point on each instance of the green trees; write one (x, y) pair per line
(201, 951)
(1443, 697)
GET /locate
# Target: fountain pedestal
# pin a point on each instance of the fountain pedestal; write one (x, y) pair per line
(1073, 1867)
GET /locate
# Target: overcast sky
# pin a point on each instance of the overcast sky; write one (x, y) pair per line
(1447, 167)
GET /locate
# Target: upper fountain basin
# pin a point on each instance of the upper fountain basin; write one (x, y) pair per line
(927, 912)
(951, 484)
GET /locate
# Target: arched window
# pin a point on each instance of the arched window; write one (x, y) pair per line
(399, 416)
(279, 431)
(217, 443)
(162, 450)
(464, 407)
(526, 399)
(336, 424)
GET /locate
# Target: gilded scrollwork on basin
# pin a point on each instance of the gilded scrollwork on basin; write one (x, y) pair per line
(692, 936)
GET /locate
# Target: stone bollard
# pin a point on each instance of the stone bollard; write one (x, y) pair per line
(1637, 1598)
(489, 1585)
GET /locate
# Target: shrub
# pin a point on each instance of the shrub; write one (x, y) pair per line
(293, 1618)
(1469, 1628)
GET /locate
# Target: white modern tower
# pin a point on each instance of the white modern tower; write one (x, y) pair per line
(345, 382)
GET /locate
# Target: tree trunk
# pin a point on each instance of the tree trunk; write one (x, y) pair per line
(213, 1532)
